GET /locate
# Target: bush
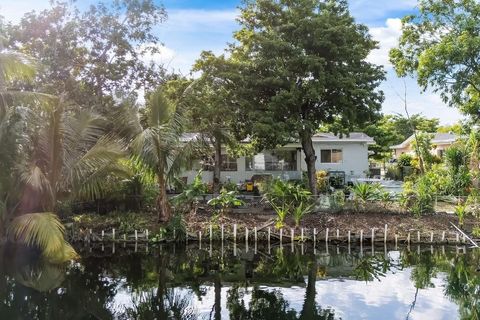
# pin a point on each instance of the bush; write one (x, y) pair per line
(322, 181)
(287, 198)
(405, 160)
(226, 200)
(190, 194)
(418, 196)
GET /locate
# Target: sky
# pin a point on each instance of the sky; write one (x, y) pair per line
(196, 25)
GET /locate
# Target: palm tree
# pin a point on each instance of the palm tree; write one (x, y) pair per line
(49, 151)
(156, 142)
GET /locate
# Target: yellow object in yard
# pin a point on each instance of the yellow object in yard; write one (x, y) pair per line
(249, 186)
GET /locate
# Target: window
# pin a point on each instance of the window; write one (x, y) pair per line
(229, 163)
(331, 156)
(281, 160)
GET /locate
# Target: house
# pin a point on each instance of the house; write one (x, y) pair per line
(440, 142)
(347, 155)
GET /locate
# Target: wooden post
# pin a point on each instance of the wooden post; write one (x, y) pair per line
(408, 238)
(200, 238)
(281, 235)
(326, 235)
(125, 237)
(349, 237)
(246, 235)
(147, 233)
(458, 237)
(443, 236)
(301, 235)
(373, 236)
(418, 236)
(175, 234)
(223, 232)
(103, 234)
(396, 241)
(90, 238)
(431, 236)
(211, 232)
(361, 236)
(314, 236)
(269, 235)
(113, 234)
(386, 234)
(338, 234)
(255, 234)
(292, 235)
(235, 232)
(136, 235)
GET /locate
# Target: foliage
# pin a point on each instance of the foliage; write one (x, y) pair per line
(43, 231)
(365, 192)
(440, 45)
(104, 49)
(155, 143)
(123, 222)
(300, 211)
(287, 198)
(191, 192)
(393, 129)
(460, 211)
(418, 196)
(322, 181)
(405, 160)
(226, 200)
(290, 59)
(422, 144)
(338, 200)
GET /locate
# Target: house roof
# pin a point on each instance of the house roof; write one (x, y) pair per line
(438, 138)
(351, 137)
(318, 137)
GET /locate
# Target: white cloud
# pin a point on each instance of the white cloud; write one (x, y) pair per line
(387, 37)
(164, 55)
(370, 10)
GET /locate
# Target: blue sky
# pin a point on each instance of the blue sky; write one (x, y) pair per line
(196, 25)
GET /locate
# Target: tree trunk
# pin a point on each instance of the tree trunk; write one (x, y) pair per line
(310, 158)
(163, 206)
(309, 310)
(218, 299)
(217, 166)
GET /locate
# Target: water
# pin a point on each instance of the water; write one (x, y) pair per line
(213, 283)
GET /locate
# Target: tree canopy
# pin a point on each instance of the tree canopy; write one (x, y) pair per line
(302, 64)
(441, 46)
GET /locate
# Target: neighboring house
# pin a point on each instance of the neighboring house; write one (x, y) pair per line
(346, 154)
(440, 142)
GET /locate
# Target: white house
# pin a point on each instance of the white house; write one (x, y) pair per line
(347, 154)
(440, 142)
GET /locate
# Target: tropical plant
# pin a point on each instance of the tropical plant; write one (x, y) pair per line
(460, 212)
(191, 193)
(365, 192)
(285, 197)
(418, 196)
(155, 143)
(226, 200)
(300, 211)
(43, 231)
(386, 198)
(322, 181)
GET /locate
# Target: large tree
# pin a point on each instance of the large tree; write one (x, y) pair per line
(90, 56)
(303, 64)
(441, 46)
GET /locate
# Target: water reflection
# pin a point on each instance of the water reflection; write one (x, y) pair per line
(188, 283)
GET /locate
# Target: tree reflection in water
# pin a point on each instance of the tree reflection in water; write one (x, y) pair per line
(163, 285)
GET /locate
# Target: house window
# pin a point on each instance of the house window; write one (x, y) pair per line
(331, 156)
(281, 160)
(228, 163)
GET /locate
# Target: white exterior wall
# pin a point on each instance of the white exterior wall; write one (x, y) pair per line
(354, 159)
(354, 164)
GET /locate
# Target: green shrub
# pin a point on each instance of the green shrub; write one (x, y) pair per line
(226, 200)
(418, 196)
(286, 197)
(191, 193)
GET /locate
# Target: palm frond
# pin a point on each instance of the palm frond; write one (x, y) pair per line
(16, 66)
(161, 109)
(44, 231)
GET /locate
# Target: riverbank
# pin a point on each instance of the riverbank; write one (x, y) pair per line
(335, 226)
